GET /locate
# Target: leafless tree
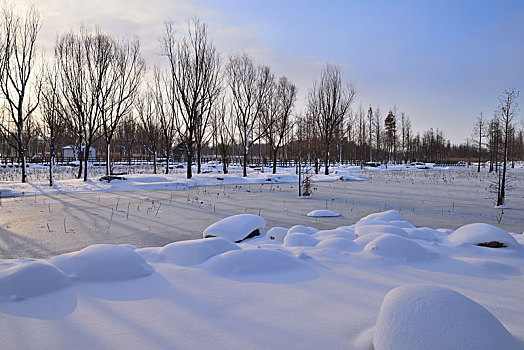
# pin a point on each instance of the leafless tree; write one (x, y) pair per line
(370, 132)
(506, 111)
(377, 123)
(479, 131)
(329, 102)
(149, 123)
(193, 84)
(126, 71)
(223, 130)
(17, 63)
(84, 61)
(53, 115)
(249, 89)
(276, 114)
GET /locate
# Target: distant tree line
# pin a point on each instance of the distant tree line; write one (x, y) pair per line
(97, 89)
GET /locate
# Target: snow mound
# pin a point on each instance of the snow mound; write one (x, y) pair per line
(393, 246)
(479, 233)
(397, 223)
(367, 229)
(277, 234)
(103, 263)
(322, 213)
(30, 279)
(431, 317)
(194, 252)
(338, 232)
(389, 215)
(261, 265)
(299, 240)
(236, 228)
(302, 229)
(423, 233)
(337, 243)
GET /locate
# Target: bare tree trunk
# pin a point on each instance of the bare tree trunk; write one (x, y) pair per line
(154, 162)
(108, 158)
(275, 152)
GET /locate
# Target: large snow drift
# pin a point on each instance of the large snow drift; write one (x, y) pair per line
(414, 317)
(196, 251)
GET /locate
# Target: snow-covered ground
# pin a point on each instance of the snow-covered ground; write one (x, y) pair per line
(290, 288)
(367, 278)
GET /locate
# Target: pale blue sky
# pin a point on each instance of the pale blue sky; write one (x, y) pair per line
(441, 62)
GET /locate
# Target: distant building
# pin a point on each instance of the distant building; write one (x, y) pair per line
(71, 152)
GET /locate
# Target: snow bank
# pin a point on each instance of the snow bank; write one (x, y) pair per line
(480, 233)
(393, 246)
(322, 213)
(187, 253)
(30, 279)
(302, 229)
(423, 233)
(236, 228)
(338, 232)
(259, 265)
(103, 263)
(431, 317)
(338, 243)
(389, 215)
(397, 223)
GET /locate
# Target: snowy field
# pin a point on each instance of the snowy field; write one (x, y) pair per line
(307, 282)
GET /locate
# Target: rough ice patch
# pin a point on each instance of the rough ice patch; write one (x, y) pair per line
(322, 213)
(396, 247)
(259, 265)
(236, 228)
(430, 317)
(30, 279)
(196, 251)
(389, 215)
(480, 233)
(103, 263)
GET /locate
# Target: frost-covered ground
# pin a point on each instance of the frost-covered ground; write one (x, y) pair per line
(294, 287)
(290, 288)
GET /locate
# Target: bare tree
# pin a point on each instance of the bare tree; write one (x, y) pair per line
(149, 123)
(370, 132)
(193, 84)
(479, 130)
(276, 115)
(223, 130)
(328, 103)
(506, 111)
(84, 61)
(126, 71)
(52, 111)
(377, 123)
(249, 89)
(17, 62)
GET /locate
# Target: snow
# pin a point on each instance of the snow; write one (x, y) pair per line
(478, 233)
(322, 213)
(362, 230)
(395, 247)
(194, 252)
(30, 279)
(431, 317)
(298, 239)
(388, 215)
(103, 262)
(235, 228)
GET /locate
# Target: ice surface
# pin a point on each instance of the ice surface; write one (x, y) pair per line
(414, 317)
(235, 228)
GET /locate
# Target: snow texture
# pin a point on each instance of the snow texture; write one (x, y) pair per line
(429, 317)
(235, 228)
(194, 252)
(395, 247)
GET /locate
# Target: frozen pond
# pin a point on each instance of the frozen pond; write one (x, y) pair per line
(49, 224)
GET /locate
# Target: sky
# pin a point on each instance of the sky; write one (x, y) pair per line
(440, 62)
